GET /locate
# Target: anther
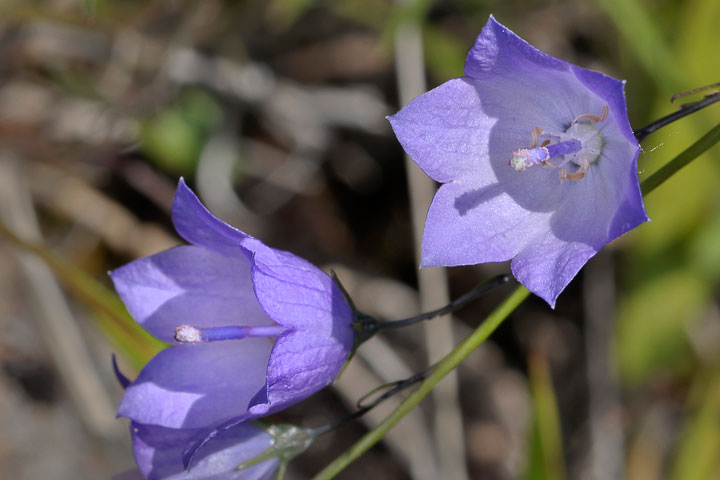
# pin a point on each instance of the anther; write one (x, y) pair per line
(536, 132)
(593, 118)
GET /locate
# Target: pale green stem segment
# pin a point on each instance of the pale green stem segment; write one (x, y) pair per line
(492, 322)
(445, 366)
(687, 156)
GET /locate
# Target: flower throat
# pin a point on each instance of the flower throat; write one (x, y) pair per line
(581, 144)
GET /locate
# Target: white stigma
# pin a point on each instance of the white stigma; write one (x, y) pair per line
(188, 334)
(519, 159)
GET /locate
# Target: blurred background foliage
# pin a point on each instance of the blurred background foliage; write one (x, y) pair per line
(274, 112)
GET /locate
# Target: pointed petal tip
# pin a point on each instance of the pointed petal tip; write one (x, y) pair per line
(543, 290)
(259, 409)
(428, 260)
(547, 297)
(393, 119)
(492, 21)
(184, 191)
(115, 272)
(551, 302)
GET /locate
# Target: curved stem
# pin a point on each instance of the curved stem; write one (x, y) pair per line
(493, 321)
(396, 387)
(684, 111)
(450, 307)
(446, 365)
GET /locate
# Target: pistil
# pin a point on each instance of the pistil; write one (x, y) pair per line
(580, 144)
(190, 334)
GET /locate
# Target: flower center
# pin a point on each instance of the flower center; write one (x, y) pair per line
(581, 144)
(190, 334)
(591, 140)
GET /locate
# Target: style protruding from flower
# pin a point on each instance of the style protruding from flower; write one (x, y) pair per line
(253, 330)
(537, 160)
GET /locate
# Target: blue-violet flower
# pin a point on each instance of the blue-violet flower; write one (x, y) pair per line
(537, 160)
(255, 329)
(158, 451)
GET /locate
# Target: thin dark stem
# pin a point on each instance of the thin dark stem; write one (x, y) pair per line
(396, 387)
(450, 307)
(446, 365)
(684, 111)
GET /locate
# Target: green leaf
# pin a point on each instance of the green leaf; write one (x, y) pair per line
(647, 42)
(171, 142)
(174, 137)
(545, 455)
(704, 249)
(652, 325)
(698, 452)
(444, 53)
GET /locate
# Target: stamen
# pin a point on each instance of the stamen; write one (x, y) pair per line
(190, 334)
(578, 174)
(593, 118)
(581, 144)
(535, 133)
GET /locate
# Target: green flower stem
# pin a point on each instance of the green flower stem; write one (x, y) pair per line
(687, 156)
(492, 322)
(445, 366)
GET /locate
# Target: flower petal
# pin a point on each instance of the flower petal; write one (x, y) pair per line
(158, 453)
(612, 92)
(548, 264)
(443, 130)
(618, 155)
(463, 134)
(471, 223)
(498, 49)
(300, 365)
(579, 228)
(469, 127)
(198, 226)
(196, 386)
(189, 285)
(631, 212)
(298, 295)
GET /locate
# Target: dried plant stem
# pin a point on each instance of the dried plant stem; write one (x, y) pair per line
(447, 423)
